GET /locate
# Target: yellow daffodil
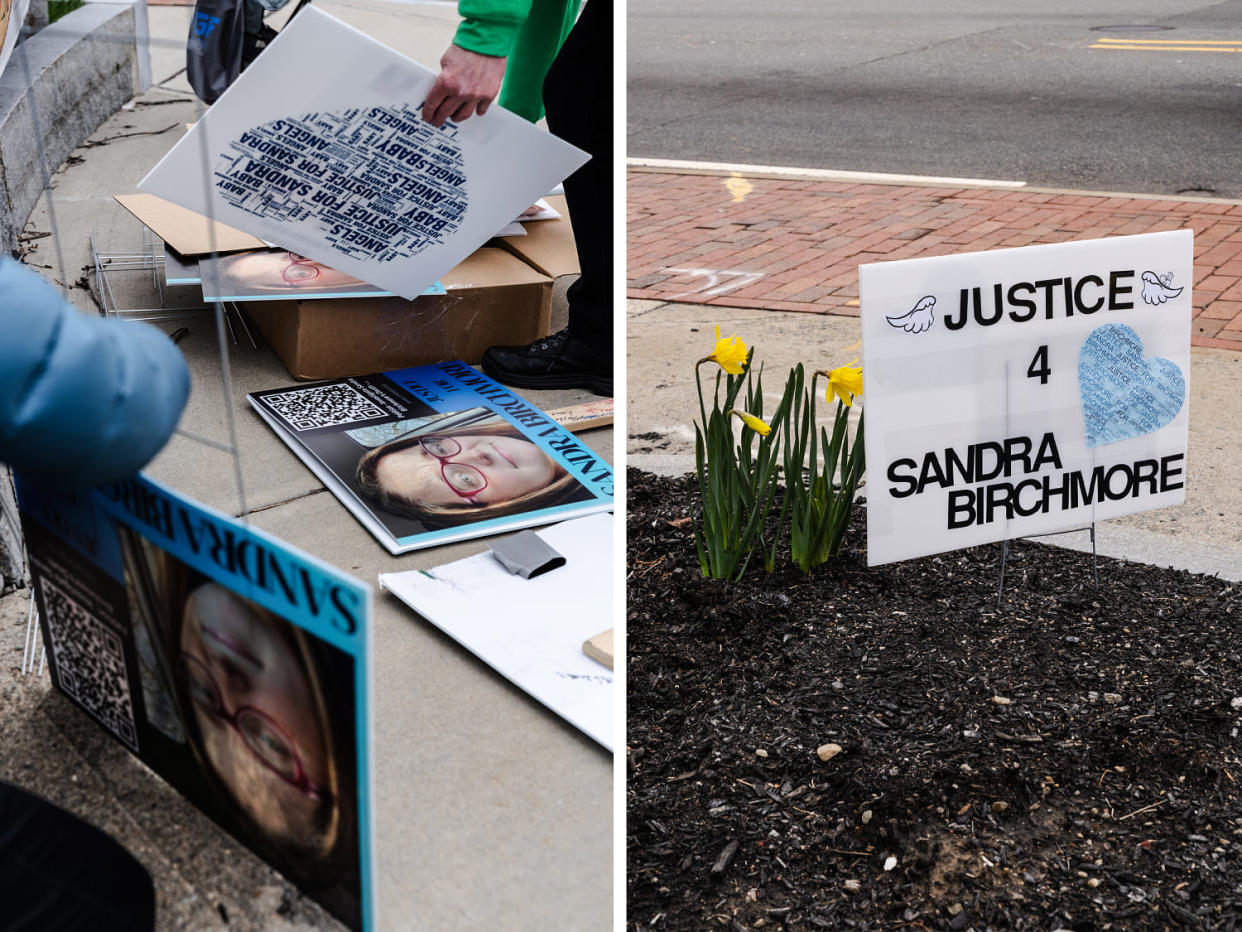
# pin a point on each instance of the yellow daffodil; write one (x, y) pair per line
(752, 422)
(729, 354)
(845, 382)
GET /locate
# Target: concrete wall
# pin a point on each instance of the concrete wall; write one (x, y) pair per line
(59, 85)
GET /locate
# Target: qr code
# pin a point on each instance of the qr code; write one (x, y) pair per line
(323, 406)
(90, 662)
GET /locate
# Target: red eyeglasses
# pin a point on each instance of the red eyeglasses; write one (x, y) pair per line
(260, 733)
(300, 269)
(465, 480)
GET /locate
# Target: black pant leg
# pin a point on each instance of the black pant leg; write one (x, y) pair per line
(577, 96)
(58, 872)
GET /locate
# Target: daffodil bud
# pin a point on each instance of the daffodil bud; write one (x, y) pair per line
(752, 422)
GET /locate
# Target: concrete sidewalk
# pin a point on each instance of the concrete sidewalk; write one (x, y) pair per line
(491, 812)
(775, 259)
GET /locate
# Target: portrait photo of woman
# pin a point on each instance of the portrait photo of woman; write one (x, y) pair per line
(480, 468)
(262, 274)
(266, 720)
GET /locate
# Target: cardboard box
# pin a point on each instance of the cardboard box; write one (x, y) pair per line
(548, 245)
(493, 298)
(500, 295)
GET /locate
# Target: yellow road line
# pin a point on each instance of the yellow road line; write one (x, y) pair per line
(1167, 48)
(1173, 41)
(1170, 45)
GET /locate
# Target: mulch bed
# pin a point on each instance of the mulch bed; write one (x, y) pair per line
(1069, 761)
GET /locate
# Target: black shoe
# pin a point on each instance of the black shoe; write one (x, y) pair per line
(556, 361)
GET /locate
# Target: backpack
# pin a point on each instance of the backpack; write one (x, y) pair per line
(225, 37)
(213, 51)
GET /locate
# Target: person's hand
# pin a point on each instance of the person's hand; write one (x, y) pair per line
(467, 84)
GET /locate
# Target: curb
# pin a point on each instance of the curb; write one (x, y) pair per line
(780, 173)
(789, 173)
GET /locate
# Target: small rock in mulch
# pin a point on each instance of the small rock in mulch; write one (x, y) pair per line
(1104, 795)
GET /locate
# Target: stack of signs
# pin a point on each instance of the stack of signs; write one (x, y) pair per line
(320, 148)
(233, 266)
(278, 275)
(1024, 391)
(235, 667)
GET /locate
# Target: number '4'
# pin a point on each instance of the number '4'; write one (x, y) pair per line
(1039, 366)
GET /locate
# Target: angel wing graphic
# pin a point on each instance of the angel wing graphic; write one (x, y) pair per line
(1156, 291)
(919, 318)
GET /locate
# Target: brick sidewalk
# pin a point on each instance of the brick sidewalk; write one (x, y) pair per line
(797, 245)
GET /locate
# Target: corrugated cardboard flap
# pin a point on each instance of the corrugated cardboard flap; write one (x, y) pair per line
(189, 233)
(548, 244)
(490, 268)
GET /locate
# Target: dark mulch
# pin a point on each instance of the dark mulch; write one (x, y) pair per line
(1069, 761)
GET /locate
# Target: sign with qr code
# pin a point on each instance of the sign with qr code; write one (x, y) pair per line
(1022, 392)
(434, 454)
(337, 164)
(234, 666)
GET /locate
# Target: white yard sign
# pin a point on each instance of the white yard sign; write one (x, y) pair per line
(1024, 391)
(531, 630)
(320, 148)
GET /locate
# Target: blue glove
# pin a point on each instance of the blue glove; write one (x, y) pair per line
(83, 400)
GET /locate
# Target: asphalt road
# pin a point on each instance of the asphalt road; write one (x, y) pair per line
(972, 88)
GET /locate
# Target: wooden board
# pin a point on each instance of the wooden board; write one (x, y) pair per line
(599, 648)
(584, 416)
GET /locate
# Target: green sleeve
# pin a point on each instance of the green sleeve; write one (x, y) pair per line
(537, 42)
(490, 27)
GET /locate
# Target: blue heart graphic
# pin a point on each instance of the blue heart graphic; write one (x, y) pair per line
(1124, 395)
(379, 183)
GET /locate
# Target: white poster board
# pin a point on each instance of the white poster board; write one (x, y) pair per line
(320, 148)
(1024, 391)
(531, 630)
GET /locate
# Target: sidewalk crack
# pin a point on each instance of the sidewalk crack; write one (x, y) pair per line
(286, 501)
(92, 143)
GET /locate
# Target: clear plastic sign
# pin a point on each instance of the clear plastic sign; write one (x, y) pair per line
(320, 148)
